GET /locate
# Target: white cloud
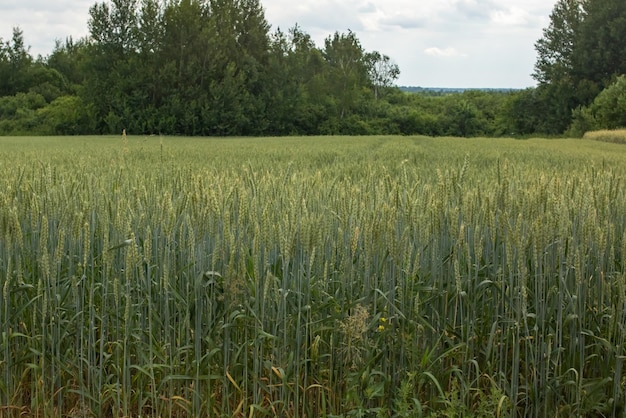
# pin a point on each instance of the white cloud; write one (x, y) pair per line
(404, 21)
(445, 52)
(369, 7)
(43, 22)
(473, 9)
(513, 16)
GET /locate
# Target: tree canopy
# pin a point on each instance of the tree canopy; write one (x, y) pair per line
(581, 53)
(216, 67)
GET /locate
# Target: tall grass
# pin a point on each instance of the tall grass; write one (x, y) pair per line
(311, 277)
(617, 136)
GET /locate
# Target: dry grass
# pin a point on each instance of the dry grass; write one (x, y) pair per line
(616, 136)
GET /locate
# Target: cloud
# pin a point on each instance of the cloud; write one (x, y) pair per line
(502, 13)
(318, 17)
(445, 52)
(369, 7)
(43, 22)
(514, 16)
(403, 21)
(473, 9)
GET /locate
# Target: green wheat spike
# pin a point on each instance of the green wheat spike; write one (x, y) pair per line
(126, 243)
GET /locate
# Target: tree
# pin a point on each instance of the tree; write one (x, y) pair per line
(196, 67)
(554, 69)
(294, 101)
(241, 40)
(555, 50)
(184, 52)
(347, 70)
(115, 26)
(111, 87)
(580, 53)
(15, 64)
(68, 59)
(381, 71)
(601, 52)
(525, 112)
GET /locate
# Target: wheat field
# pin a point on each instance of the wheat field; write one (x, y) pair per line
(311, 277)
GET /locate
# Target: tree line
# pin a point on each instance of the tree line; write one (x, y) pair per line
(580, 59)
(214, 67)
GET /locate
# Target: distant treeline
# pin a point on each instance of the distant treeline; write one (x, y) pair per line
(212, 67)
(451, 90)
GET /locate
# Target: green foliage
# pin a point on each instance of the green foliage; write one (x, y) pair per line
(557, 47)
(608, 110)
(463, 119)
(609, 107)
(345, 75)
(213, 68)
(66, 115)
(468, 114)
(382, 72)
(28, 113)
(15, 62)
(582, 121)
(18, 114)
(600, 52)
(579, 54)
(546, 109)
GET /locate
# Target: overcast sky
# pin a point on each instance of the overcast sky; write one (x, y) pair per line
(436, 43)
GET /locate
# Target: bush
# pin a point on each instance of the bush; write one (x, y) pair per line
(583, 121)
(608, 110)
(66, 115)
(11, 105)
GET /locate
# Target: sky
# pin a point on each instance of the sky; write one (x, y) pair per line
(435, 43)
